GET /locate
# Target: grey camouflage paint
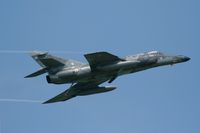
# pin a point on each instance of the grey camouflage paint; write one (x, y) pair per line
(102, 67)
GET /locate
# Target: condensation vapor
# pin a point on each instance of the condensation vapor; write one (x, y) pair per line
(28, 52)
(20, 100)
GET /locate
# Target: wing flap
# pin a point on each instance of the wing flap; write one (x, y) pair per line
(101, 58)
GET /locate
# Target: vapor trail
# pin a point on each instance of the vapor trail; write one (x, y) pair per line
(27, 51)
(1, 130)
(20, 100)
(14, 52)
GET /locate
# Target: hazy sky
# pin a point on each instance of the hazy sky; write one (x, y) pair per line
(160, 100)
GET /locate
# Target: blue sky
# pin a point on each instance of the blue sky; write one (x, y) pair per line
(159, 100)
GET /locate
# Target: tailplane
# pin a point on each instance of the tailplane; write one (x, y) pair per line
(37, 73)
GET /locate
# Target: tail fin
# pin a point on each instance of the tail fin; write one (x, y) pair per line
(46, 60)
(49, 62)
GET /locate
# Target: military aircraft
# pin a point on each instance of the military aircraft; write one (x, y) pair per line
(103, 66)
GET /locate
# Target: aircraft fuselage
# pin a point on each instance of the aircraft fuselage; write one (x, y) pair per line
(130, 64)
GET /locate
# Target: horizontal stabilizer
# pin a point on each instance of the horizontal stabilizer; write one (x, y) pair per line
(37, 73)
(101, 58)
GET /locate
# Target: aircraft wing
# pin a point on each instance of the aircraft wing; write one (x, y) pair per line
(101, 58)
(74, 90)
(61, 97)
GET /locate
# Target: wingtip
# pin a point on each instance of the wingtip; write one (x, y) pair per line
(27, 76)
(45, 102)
(48, 101)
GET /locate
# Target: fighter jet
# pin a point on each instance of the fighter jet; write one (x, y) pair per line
(103, 66)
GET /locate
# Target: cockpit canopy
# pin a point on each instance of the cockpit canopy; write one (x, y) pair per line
(151, 53)
(155, 53)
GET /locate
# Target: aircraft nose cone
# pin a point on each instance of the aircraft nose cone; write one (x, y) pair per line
(186, 58)
(182, 58)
